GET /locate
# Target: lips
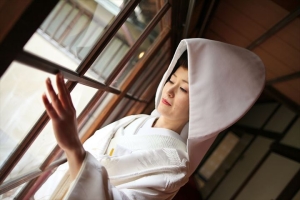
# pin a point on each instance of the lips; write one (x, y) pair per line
(164, 101)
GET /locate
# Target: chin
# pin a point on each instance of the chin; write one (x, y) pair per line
(162, 110)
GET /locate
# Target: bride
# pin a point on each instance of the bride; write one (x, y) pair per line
(208, 86)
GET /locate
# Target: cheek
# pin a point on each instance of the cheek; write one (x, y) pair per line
(183, 104)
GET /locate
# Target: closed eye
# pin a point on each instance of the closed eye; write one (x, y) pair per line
(183, 90)
(171, 82)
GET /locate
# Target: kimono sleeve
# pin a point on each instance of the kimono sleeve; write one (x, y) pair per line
(92, 182)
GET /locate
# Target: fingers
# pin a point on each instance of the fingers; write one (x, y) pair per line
(63, 92)
(56, 103)
(49, 108)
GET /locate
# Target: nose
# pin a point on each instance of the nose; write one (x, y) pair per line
(171, 92)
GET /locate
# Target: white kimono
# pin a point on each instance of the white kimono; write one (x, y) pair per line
(146, 163)
(149, 163)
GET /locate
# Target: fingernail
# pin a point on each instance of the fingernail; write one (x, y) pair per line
(48, 80)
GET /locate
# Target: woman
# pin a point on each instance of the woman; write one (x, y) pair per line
(151, 157)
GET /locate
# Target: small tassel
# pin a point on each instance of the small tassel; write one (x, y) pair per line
(111, 152)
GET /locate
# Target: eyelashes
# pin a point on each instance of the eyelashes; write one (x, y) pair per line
(182, 89)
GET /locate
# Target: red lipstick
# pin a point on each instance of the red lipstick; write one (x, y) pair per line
(164, 101)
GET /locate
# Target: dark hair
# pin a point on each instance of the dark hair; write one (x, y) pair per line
(181, 62)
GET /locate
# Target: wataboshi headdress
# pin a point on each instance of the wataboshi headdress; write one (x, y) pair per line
(224, 82)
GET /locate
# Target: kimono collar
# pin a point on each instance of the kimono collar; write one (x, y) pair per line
(224, 82)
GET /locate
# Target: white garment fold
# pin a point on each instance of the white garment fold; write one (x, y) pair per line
(224, 82)
(150, 166)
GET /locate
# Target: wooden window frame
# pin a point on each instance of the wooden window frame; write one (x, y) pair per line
(37, 177)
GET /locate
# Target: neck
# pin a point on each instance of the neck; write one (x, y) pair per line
(174, 125)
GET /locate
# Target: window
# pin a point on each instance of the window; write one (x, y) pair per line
(112, 54)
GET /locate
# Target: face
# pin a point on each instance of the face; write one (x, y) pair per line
(174, 103)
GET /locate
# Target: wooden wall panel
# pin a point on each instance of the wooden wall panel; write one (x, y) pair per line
(282, 51)
(10, 11)
(230, 35)
(209, 34)
(265, 13)
(239, 21)
(295, 84)
(291, 34)
(274, 68)
(286, 89)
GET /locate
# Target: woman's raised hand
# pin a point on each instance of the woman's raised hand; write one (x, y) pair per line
(63, 116)
(62, 113)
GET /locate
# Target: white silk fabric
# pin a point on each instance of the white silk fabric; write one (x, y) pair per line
(143, 166)
(224, 82)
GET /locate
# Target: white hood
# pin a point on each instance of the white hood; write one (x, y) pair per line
(224, 82)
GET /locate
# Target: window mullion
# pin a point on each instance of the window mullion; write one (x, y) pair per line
(49, 67)
(29, 176)
(137, 44)
(127, 84)
(150, 106)
(21, 149)
(135, 99)
(103, 115)
(137, 107)
(57, 152)
(82, 118)
(107, 36)
(35, 184)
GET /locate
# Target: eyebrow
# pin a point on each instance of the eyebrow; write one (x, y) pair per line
(182, 79)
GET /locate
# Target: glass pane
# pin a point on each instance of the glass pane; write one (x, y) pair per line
(117, 112)
(292, 137)
(11, 194)
(146, 77)
(21, 88)
(228, 162)
(242, 169)
(297, 195)
(148, 89)
(151, 83)
(258, 115)
(122, 41)
(48, 189)
(271, 178)
(71, 30)
(280, 120)
(219, 155)
(200, 183)
(45, 142)
(158, 69)
(81, 95)
(138, 56)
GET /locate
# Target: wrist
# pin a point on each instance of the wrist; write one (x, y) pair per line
(75, 158)
(77, 153)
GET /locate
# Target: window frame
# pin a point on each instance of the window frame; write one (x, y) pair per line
(38, 176)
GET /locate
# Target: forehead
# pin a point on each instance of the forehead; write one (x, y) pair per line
(182, 73)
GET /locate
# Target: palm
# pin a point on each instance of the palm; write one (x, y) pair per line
(63, 115)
